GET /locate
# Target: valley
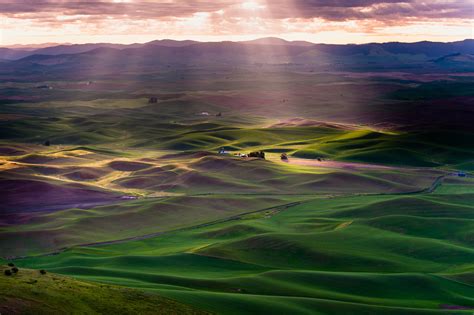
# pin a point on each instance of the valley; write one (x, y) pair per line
(127, 182)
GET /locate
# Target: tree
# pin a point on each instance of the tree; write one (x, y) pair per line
(257, 154)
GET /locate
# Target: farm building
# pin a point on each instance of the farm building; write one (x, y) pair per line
(223, 151)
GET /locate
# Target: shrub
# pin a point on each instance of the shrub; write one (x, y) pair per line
(8, 273)
(14, 269)
(42, 271)
(11, 264)
(260, 154)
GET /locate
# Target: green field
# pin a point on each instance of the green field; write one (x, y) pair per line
(323, 255)
(131, 202)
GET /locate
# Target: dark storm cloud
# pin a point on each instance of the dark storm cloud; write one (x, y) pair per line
(333, 10)
(371, 9)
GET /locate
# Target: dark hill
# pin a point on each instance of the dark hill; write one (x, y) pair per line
(109, 58)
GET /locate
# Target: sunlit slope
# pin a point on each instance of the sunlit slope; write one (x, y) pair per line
(363, 254)
(92, 195)
(189, 124)
(146, 172)
(30, 292)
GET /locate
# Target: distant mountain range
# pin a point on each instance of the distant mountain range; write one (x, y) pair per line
(430, 49)
(103, 57)
(16, 52)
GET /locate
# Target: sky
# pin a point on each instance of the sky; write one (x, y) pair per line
(321, 21)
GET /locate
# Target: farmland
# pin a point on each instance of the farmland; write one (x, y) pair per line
(112, 182)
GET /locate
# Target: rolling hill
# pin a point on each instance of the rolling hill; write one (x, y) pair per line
(114, 181)
(321, 255)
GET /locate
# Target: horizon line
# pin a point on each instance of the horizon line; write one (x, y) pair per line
(53, 44)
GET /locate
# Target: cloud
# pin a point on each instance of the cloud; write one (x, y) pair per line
(316, 20)
(371, 9)
(332, 10)
(135, 8)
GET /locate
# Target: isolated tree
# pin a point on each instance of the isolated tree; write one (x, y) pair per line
(15, 270)
(42, 271)
(11, 265)
(47, 143)
(8, 272)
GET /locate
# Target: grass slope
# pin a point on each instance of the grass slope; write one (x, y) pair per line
(341, 243)
(356, 255)
(177, 125)
(80, 191)
(30, 292)
(53, 231)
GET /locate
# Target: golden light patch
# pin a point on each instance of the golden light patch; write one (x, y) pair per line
(343, 225)
(161, 194)
(198, 248)
(8, 165)
(78, 153)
